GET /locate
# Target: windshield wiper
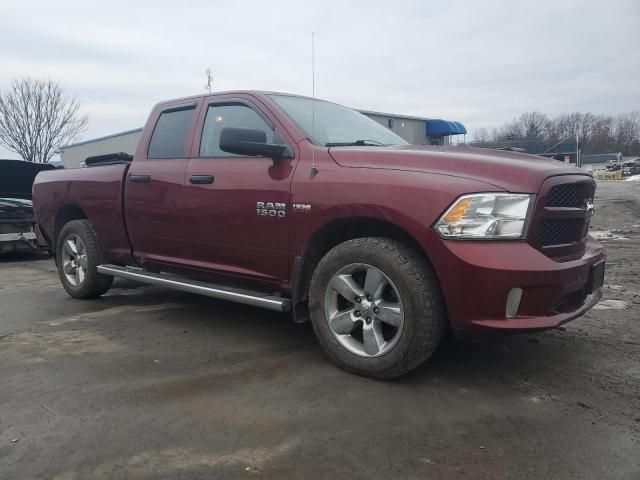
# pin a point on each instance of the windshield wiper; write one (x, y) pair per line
(368, 143)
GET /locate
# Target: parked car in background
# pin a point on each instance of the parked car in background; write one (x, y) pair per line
(631, 167)
(17, 220)
(613, 166)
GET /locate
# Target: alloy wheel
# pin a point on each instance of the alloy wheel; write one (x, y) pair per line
(74, 259)
(363, 309)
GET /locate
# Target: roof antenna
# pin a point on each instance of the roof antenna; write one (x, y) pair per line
(314, 168)
(209, 79)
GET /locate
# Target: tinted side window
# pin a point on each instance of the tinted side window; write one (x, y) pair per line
(170, 135)
(235, 115)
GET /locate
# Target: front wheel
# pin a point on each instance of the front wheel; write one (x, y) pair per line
(78, 253)
(376, 307)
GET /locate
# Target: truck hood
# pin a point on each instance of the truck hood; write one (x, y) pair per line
(511, 171)
(17, 176)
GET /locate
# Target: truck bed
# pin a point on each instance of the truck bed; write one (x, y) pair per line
(97, 192)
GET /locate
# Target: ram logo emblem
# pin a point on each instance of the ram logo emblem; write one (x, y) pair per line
(271, 209)
(590, 209)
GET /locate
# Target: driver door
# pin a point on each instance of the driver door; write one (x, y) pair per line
(226, 197)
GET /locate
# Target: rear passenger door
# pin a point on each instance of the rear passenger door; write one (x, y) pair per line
(228, 231)
(154, 188)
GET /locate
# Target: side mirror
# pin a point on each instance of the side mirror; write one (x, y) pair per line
(252, 142)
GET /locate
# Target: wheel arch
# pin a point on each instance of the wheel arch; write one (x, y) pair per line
(64, 215)
(338, 231)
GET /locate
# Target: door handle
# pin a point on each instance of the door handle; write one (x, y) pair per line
(140, 178)
(201, 179)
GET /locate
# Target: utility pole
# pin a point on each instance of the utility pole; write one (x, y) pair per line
(578, 146)
(209, 80)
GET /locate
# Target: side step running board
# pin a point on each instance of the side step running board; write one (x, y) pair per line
(257, 299)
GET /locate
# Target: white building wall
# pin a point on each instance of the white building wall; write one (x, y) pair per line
(412, 130)
(73, 155)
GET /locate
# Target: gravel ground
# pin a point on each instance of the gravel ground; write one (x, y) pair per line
(149, 383)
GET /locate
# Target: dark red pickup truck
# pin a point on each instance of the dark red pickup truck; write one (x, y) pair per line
(308, 207)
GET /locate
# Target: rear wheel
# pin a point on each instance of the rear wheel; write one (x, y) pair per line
(78, 253)
(376, 307)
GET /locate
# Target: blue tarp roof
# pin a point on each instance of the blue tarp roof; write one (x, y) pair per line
(442, 128)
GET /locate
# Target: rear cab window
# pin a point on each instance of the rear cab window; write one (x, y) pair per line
(169, 138)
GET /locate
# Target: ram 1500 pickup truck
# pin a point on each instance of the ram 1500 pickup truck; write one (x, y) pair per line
(308, 207)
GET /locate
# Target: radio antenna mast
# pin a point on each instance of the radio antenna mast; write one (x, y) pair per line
(209, 79)
(314, 168)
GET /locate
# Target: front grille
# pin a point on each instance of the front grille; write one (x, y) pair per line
(560, 220)
(560, 231)
(567, 195)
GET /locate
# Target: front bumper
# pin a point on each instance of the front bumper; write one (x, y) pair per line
(476, 278)
(17, 237)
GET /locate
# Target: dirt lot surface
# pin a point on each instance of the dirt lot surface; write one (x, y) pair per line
(149, 383)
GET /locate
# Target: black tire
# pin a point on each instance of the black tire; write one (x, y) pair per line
(93, 284)
(420, 296)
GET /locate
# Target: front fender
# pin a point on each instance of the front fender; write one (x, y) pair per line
(410, 200)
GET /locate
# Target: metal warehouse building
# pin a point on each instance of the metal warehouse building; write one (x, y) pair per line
(415, 130)
(73, 155)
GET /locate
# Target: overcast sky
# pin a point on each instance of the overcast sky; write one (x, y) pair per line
(478, 62)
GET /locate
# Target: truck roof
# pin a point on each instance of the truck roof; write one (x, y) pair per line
(268, 92)
(231, 92)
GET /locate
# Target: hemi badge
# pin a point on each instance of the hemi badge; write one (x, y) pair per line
(302, 207)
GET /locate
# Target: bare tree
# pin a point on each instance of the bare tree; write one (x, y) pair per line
(626, 134)
(597, 133)
(481, 135)
(511, 131)
(37, 118)
(535, 125)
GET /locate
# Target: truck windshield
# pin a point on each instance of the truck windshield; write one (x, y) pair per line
(335, 125)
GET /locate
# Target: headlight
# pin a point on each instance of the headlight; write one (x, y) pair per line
(486, 216)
